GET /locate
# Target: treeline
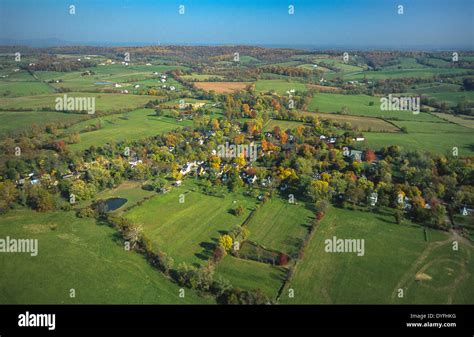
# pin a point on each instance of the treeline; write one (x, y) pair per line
(287, 71)
(53, 63)
(201, 279)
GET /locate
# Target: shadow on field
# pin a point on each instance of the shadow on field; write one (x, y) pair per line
(294, 242)
(384, 220)
(208, 248)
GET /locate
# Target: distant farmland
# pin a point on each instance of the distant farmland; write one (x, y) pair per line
(361, 123)
(222, 87)
(103, 101)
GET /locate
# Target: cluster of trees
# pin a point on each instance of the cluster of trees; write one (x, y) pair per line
(198, 278)
(52, 63)
(287, 71)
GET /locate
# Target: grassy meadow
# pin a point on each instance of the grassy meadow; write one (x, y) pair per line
(78, 254)
(394, 257)
(188, 231)
(129, 126)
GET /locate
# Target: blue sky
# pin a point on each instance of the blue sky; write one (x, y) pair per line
(335, 23)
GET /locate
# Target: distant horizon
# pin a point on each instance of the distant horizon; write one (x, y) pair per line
(52, 43)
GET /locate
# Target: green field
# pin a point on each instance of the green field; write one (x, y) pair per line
(281, 226)
(467, 121)
(437, 62)
(201, 77)
(155, 83)
(131, 126)
(109, 71)
(452, 98)
(401, 73)
(188, 231)
(435, 87)
(436, 128)
(20, 75)
(311, 67)
(78, 254)
(279, 86)
(359, 122)
(17, 121)
(425, 136)
(103, 101)
(394, 254)
(361, 105)
(250, 275)
(450, 273)
(406, 63)
(339, 64)
(17, 88)
(117, 73)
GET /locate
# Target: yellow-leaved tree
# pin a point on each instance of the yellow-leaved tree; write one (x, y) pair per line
(225, 241)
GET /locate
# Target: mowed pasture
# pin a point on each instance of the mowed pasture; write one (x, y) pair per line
(358, 122)
(200, 77)
(452, 98)
(402, 73)
(435, 87)
(440, 128)
(280, 225)
(222, 87)
(23, 88)
(279, 86)
(467, 121)
(312, 67)
(339, 64)
(102, 77)
(324, 88)
(14, 122)
(439, 138)
(128, 126)
(114, 70)
(9, 74)
(251, 275)
(362, 105)
(73, 80)
(442, 275)
(406, 63)
(394, 256)
(78, 254)
(104, 102)
(188, 231)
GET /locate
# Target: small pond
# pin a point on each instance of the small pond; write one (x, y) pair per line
(114, 203)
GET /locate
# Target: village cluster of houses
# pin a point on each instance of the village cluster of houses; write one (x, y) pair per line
(30, 178)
